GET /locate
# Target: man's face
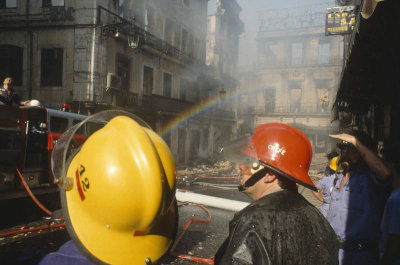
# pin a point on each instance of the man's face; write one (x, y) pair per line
(254, 190)
(245, 173)
(7, 82)
(350, 153)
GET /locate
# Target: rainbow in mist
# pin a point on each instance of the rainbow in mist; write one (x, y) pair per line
(202, 108)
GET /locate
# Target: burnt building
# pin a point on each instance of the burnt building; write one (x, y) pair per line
(295, 77)
(146, 57)
(222, 54)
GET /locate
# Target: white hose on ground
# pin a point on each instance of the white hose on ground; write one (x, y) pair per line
(216, 202)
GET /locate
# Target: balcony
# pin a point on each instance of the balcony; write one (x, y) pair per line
(334, 61)
(165, 104)
(139, 38)
(126, 99)
(173, 106)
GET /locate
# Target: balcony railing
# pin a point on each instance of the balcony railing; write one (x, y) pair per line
(126, 99)
(175, 106)
(142, 37)
(335, 61)
(166, 104)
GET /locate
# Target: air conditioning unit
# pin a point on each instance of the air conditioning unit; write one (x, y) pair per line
(113, 82)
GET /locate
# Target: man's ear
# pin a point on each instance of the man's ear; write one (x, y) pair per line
(269, 177)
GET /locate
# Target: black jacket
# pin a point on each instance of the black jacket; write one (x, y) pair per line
(281, 228)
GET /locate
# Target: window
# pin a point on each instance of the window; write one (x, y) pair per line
(167, 85)
(196, 48)
(8, 4)
(323, 100)
(323, 52)
(168, 31)
(10, 139)
(271, 51)
(190, 48)
(121, 7)
(51, 3)
(11, 58)
(149, 18)
(297, 53)
(184, 40)
(322, 89)
(295, 100)
(58, 124)
(183, 88)
(81, 129)
(269, 96)
(123, 71)
(177, 36)
(147, 80)
(322, 83)
(294, 95)
(51, 67)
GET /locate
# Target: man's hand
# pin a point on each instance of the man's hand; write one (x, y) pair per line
(344, 137)
(23, 103)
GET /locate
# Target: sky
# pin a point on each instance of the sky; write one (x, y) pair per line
(249, 15)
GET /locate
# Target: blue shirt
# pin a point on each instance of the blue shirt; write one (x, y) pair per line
(391, 220)
(8, 99)
(355, 211)
(326, 183)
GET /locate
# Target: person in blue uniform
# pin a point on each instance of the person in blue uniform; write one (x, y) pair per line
(390, 227)
(326, 184)
(66, 255)
(358, 199)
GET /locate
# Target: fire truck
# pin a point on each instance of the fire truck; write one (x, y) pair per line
(27, 138)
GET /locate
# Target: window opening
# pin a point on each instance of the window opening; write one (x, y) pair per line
(51, 66)
(147, 80)
(167, 85)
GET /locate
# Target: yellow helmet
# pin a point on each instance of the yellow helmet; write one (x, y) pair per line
(118, 191)
(334, 164)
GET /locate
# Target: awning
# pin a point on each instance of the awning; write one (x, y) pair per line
(371, 73)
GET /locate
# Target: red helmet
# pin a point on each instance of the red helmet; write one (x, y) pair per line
(282, 148)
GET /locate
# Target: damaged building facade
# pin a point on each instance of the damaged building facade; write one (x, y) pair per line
(222, 54)
(145, 57)
(295, 78)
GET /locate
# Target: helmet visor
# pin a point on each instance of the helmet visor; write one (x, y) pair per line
(72, 140)
(241, 151)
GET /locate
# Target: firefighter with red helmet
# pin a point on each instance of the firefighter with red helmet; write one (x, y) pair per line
(280, 226)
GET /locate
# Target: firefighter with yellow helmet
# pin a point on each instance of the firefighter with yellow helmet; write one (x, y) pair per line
(332, 174)
(117, 192)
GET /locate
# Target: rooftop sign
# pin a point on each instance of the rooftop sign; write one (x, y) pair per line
(340, 20)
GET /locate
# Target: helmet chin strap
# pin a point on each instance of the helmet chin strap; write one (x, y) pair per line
(253, 179)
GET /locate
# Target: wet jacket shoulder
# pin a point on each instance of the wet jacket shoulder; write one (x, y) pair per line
(280, 228)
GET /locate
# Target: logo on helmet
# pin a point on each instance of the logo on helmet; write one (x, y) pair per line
(80, 180)
(276, 150)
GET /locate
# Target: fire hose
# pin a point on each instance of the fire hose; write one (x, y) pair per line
(186, 226)
(41, 206)
(172, 252)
